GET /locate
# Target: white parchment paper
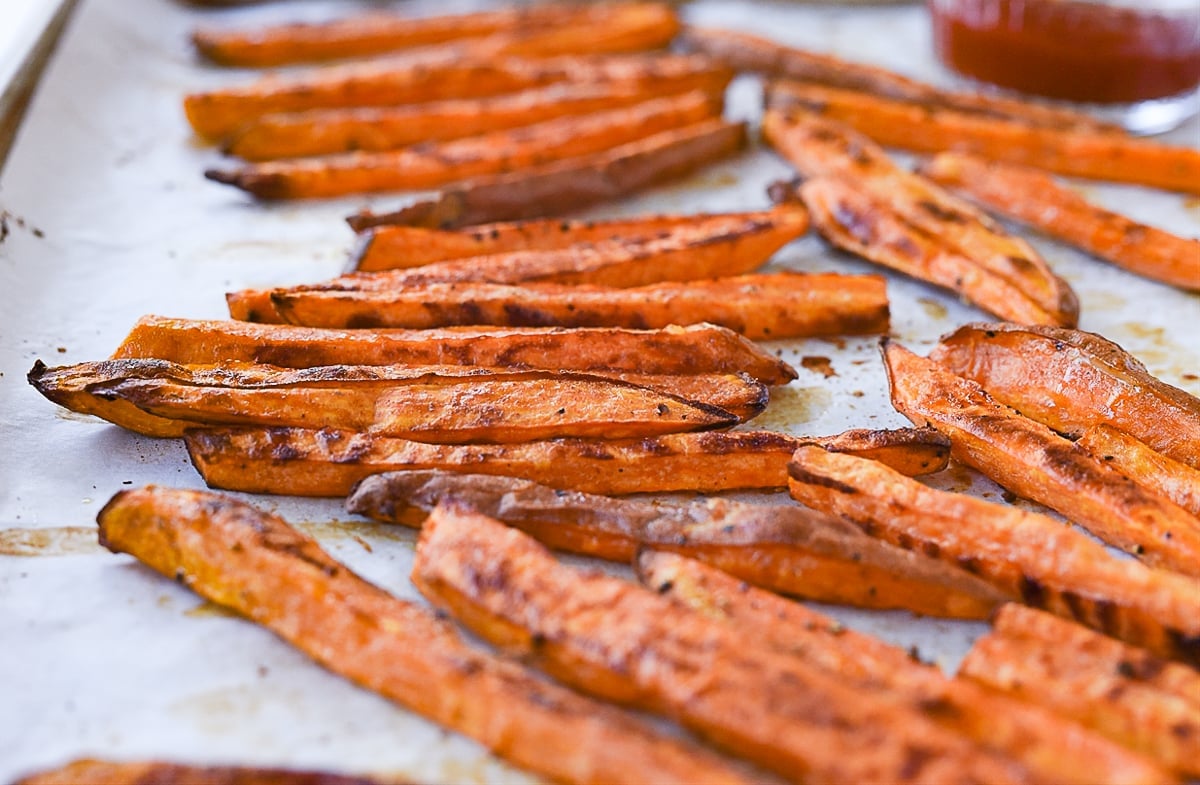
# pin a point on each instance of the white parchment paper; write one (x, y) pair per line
(109, 218)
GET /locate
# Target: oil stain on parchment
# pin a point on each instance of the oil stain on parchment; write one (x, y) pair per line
(50, 541)
(792, 405)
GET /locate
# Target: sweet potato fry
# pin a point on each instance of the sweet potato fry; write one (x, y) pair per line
(1096, 155)
(1032, 461)
(375, 34)
(1062, 674)
(1056, 750)
(436, 164)
(700, 349)
(910, 451)
(379, 129)
(1035, 199)
(304, 462)
(1072, 380)
(856, 223)
(443, 404)
(752, 53)
(710, 247)
(419, 78)
(618, 641)
(570, 185)
(1033, 556)
(398, 247)
(103, 772)
(784, 548)
(820, 148)
(1144, 465)
(256, 565)
(764, 306)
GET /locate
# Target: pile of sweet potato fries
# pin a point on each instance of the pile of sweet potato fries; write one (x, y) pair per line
(497, 377)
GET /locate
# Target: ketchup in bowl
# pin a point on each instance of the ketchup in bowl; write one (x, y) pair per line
(1114, 52)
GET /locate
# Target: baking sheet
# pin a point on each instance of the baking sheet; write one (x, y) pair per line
(108, 219)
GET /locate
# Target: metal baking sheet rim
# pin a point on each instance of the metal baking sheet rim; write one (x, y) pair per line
(107, 218)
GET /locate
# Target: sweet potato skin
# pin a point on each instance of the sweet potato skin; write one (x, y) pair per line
(1145, 466)
(1054, 749)
(103, 772)
(437, 164)
(676, 350)
(762, 306)
(620, 641)
(1035, 199)
(1072, 380)
(454, 404)
(1032, 461)
(1061, 674)
(303, 462)
(571, 185)
(257, 565)
(784, 548)
(1035, 557)
(401, 247)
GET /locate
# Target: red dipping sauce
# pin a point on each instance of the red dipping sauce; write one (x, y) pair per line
(1072, 50)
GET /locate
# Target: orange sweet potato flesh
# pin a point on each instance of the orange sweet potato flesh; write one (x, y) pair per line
(747, 52)
(104, 772)
(621, 642)
(922, 128)
(330, 131)
(784, 548)
(1035, 199)
(1144, 465)
(1056, 750)
(443, 404)
(1033, 461)
(435, 164)
(401, 247)
(302, 462)
(375, 34)
(697, 349)
(258, 566)
(819, 147)
(759, 306)
(1073, 380)
(1025, 554)
(854, 222)
(709, 247)
(1061, 672)
(570, 185)
(419, 78)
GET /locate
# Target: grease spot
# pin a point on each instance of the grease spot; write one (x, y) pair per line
(208, 609)
(791, 406)
(933, 309)
(50, 541)
(821, 365)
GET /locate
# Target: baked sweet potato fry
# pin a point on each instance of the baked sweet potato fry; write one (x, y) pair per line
(1033, 461)
(700, 349)
(747, 52)
(784, 548)
(1035, 199)
(559, 188)
(856, 223)
(103, 772)
(1033, 556)
(399, 247)
(818, 147)
(379, 129)
(618, 641)
(1073, 380)
(443, 404)
(762, 306)
(325, 462)
(435, 164)
(418, 78)
(1145, 466)
(376, 34)
(922, 128)
(1055, 750)
(256, 565)
(1050, 662)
